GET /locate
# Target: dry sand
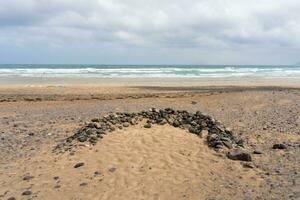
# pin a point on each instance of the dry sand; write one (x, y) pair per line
(157, 163)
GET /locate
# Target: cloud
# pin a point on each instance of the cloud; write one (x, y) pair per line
(194, 26)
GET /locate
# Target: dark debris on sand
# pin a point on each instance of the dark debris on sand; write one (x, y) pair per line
(216, 134)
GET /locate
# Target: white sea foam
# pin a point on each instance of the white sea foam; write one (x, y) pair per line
(150, 71)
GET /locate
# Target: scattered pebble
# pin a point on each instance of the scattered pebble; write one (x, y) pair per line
(97, 173)
(112, 169)
(27, 192)
(148, 125)
(80, 164)
(279, 146)
(247, 165)
(57, 186)
(256, 151)
(239, 154)
(83, 184)
(27, 178)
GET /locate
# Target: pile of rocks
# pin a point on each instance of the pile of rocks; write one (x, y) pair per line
(196, 123)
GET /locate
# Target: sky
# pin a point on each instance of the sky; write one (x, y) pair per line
(150, 31)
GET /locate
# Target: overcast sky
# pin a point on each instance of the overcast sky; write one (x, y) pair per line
(150, 31)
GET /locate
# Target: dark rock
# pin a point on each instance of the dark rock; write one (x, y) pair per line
(240, 142)
(194, 130)
(97, 173)
(80, 164)
(83, 184)
(148, 125)
(194, 102)
(279, 146)
(239, 154)
(27, 192)
(57, 186)
(27, 178)
(11, 198)
(56, 177)
(176, 123)
(82, 138)
(95, 120)
(93, 139)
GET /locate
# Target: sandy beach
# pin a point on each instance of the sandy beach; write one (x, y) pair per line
(149, 100)
(162, 162)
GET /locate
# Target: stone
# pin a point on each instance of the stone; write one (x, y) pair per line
(239, 154)
(82, 138)
(112, 169)
(148, 125)
(176, 123)
(93, 139)
(227, 144)
(279, 146)
(247, 165)
(256, 151)
(204, 133)
(11, 198)
(194, 102)
(95, 120)
(197, 123)
(97, 173)
(27, 192)
(212, 137)
(80, 164)
(194, 130)
(126, 124)
(240, 142)
(27, 178)
(83, 184)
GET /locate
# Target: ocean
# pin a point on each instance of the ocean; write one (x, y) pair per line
(193, 71)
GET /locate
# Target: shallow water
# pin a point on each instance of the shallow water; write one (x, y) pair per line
(193, 71)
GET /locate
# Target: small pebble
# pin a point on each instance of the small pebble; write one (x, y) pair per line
(80, 164)
(97, 173)
(112, 169)
(279, 146)
(148, 125)
(27, 193)
(83, 184)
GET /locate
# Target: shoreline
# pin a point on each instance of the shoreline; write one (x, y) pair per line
(103, 93)
(128, 82)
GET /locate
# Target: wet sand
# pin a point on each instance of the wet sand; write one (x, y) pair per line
(157, 163)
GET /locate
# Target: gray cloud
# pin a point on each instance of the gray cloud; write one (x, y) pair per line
(233, 31)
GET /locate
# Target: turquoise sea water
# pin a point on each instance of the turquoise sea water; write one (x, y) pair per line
(205, 71)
